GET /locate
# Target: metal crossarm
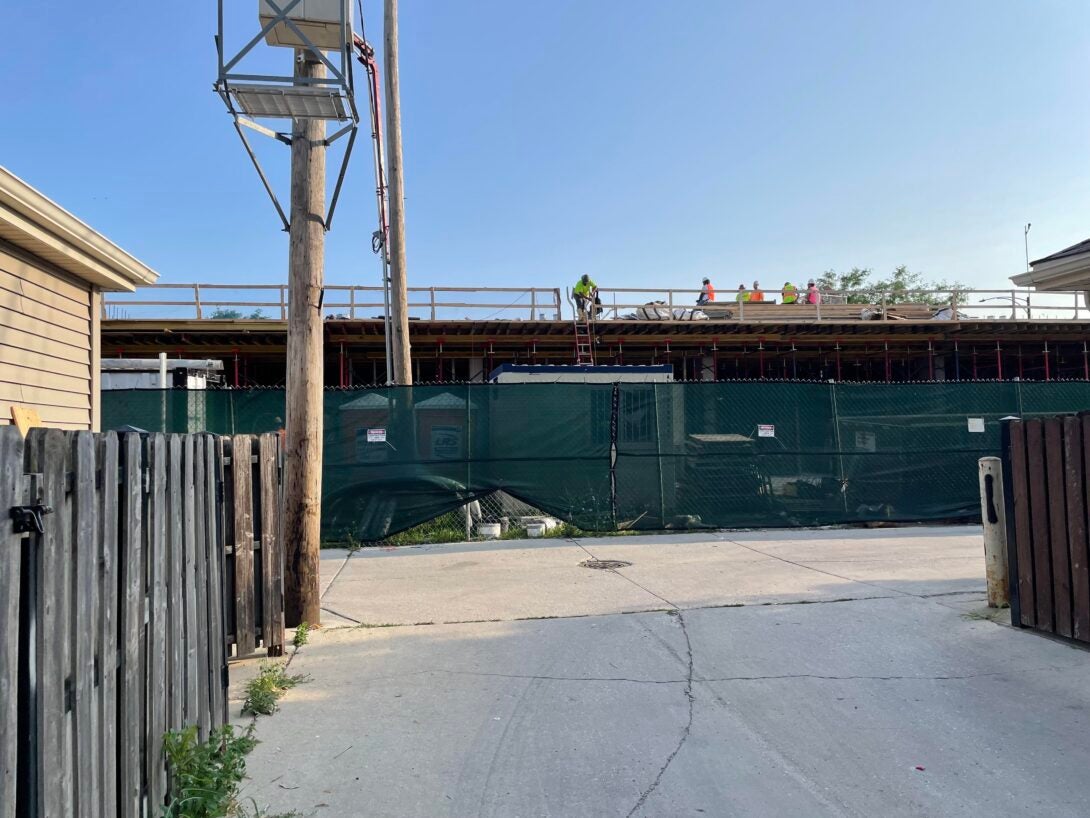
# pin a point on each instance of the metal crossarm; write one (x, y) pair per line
(252, 96)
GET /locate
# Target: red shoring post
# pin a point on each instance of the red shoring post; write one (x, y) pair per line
(998, 360)
(1085, 363)
(930, 360)
(1048, 372)
(341, 365)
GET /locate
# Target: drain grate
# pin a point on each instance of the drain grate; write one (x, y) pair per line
(605, 565)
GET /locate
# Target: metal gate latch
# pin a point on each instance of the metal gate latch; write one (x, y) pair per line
(25, 519)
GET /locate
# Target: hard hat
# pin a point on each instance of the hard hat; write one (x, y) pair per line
(706, 281)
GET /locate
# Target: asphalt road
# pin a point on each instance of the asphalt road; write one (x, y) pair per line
(765, 674)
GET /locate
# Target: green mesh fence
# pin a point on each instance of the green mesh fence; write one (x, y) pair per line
(642, 456)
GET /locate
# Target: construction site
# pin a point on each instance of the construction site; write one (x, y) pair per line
(463, 334)
(630, 535)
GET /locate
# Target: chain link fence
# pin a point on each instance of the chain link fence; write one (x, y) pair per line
(403, 465)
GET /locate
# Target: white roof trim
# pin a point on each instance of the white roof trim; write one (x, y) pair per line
(1062, 274)
(37, 224)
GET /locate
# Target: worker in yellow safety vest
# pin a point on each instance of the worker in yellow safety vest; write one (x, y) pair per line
(586, 292)
(790, 294)
(743, 294)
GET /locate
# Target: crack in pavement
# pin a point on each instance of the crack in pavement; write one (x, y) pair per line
(688, 724)
(864, 677)
(336, 575)
(556, 678)
(341, 615)
(673, 610)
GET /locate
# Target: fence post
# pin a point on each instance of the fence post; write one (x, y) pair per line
(432, 303)
(283, 305)
(994, 515)
(352, 302)
(197, 299)
(11, 494)
(533, 303)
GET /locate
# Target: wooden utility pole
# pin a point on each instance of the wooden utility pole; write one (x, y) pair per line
(399, 297)
(303, 450)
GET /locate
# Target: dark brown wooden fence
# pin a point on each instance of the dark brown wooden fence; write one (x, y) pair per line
(120, 606)
(1046, 463)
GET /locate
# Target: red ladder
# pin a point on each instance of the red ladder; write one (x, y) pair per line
(584, 341)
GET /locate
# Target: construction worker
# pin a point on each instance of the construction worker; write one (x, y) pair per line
(707, 294)
(790, 294)
(743, 294)
(586, 292)
(813, 294)
(757, 295)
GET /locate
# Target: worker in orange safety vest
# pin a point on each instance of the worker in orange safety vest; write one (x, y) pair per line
(707, 294)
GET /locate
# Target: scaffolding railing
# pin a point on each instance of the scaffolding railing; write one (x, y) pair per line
(339, 302)
(864, 304)
(343, 302)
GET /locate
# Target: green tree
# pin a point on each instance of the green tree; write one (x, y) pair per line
(225, 313)
(901, 286)
(854, 283)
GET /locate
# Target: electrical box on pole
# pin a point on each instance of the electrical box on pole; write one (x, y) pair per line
(318, 21)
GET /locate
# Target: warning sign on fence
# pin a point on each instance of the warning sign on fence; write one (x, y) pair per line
(766, 430)
(376, 435)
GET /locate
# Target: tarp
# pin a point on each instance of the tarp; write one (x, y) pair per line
(644, 456)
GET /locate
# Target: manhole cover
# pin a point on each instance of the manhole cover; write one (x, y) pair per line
(605, 564)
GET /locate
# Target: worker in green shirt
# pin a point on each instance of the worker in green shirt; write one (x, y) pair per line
(790, 294)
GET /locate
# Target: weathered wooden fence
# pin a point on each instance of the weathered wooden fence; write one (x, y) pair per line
(127, 572)
(1046, 463)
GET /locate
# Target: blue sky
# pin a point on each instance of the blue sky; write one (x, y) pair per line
(646, 143)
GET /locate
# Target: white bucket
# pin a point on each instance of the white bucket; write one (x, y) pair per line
(488, 531)
(535, 529)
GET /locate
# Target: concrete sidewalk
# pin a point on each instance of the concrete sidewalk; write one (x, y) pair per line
(557, 690)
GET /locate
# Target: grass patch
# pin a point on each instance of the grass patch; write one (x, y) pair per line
(302, 633)
(451, 527)
(264, 690)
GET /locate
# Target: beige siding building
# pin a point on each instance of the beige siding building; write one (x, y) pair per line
(53, 270)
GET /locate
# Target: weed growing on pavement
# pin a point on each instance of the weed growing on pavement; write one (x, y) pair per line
(302, 633)
(264, 690)
(205, 776)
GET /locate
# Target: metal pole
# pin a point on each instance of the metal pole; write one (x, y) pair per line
(993, 514)
(399, 296)
(304, 377)
(1026, 236)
